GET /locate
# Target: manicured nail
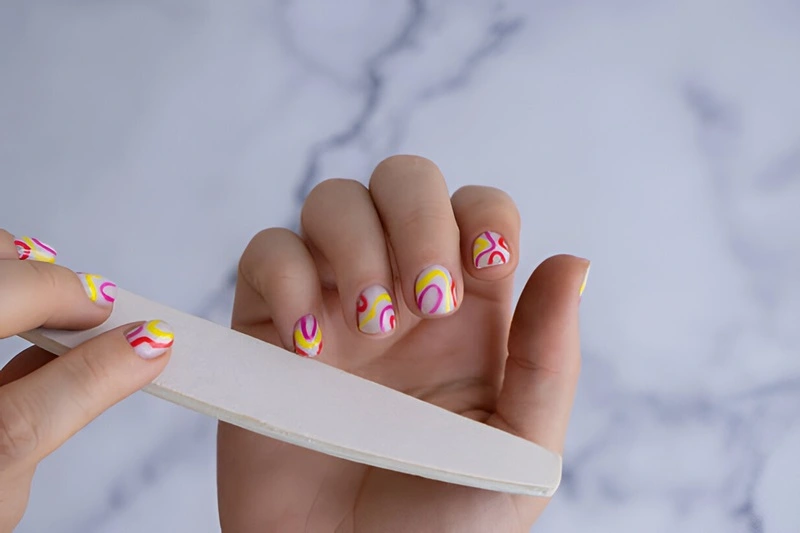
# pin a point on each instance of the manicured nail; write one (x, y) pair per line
(375, 312)
(100, 290)
(307, 337)
(435, 291)
(585, 277)
(30, 249)
(490, 249)
(151, 339)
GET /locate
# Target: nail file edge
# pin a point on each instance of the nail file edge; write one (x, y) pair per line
(44, 338)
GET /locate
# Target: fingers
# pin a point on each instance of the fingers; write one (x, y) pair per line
(278, 283)
(25, 248)
(414, 206)
(40, 411)
(35, 293)
(489, 224)
(341, 222)
(544, 354)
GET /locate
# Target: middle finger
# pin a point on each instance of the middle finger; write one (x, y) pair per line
(340, 220)
(414, 205)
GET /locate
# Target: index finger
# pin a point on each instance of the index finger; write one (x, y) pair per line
(35, 293)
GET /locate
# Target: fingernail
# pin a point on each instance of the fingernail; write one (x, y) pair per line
(375, 311)
(307, 337)
(151, 339)
(490, 249)
(585, 277)
(99, 289)
(435, 291)
(30, 249)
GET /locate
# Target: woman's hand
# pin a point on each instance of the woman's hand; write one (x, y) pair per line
(45, 400)
(405, 286)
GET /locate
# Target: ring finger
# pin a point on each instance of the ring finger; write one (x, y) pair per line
(414, 205)
(340, 221)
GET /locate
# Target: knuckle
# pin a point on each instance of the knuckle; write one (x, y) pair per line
(479, 198)
(267, 239)
(423, 217)
(324, 188)
(89, 373)
(45, 273)
(389, 168)
(327, 196)
(267, 260)
(264, 243)
(18, 434)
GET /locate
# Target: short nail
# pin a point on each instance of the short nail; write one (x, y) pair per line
(435, 291)
(585, 278)
(30, 249)
(307, 337)
(151, 339)
(375, 311)
(490, 249)
(100, 290)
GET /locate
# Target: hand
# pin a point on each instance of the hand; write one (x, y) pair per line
(446, 336)
(45, 400)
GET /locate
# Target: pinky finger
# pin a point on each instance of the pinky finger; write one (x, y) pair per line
(279, 283)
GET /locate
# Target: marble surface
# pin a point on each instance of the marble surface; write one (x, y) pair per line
(149, 140)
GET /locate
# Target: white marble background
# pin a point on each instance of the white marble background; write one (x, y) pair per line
(149, 140)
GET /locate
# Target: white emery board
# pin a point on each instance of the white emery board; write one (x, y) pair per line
(244, 381)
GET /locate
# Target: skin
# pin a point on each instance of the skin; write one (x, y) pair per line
(516, 371)
(44, 400)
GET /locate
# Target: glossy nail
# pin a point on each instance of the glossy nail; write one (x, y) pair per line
(585, 278)
(100, 290)
(435, 291)
(151, 339)
(307, 337)
(490, 249)
(30, 249)
(375, 311)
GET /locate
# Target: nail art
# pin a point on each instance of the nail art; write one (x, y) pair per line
(435, 291)
(490, 249)
(307, 337)
(99, 289)
(151, 339)
(585, 278)
(375, 311)
(30, 249)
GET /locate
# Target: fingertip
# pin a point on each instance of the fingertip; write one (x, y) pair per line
(562, 272)
(99, 289)
(150, 340)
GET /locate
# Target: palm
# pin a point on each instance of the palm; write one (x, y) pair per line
(455, 363)
(403, 237)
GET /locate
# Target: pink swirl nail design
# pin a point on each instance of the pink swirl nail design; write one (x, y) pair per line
(435, 291)
(30, 249)
(151, 339)
(99, 289)
(307, 337)
(375, 311)
(490, 249)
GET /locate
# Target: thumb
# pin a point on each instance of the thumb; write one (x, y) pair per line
(544, 354)
(40, 411)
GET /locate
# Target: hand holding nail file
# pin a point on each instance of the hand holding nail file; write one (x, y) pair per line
(242, 380)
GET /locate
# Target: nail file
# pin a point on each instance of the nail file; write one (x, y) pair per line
(244, 381)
